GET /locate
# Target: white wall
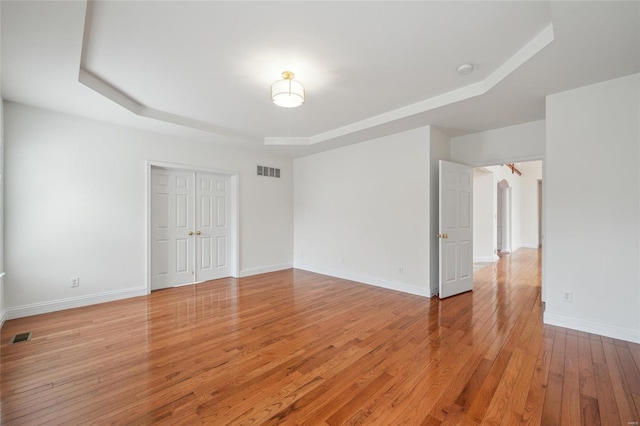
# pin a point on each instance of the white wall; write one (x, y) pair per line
(2, 179)
(76, 199)
(2, 303)
(484, 219)
(593, 208)
(439, 149)
(362, 212)
(523, 142)
(531, 173)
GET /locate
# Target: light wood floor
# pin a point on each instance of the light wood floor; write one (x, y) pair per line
(300, 348)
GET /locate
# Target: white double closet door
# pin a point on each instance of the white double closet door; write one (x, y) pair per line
(190, 227)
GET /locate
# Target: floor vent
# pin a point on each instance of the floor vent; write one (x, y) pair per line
(22, 337)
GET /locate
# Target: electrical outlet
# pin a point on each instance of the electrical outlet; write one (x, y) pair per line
(75, 282)
(401, 270)
(567, 296)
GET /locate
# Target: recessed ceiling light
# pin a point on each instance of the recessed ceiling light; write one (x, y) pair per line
(465, 69)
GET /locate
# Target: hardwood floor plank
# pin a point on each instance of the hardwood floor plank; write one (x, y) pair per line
(360, 398)
(571, 413)
(534, 404)
(626, 408)
(631, 373)
(607, 406)
(552, 410)
(295, 347)
(590, 411)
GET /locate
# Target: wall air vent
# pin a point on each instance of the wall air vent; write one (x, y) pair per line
(268, 171)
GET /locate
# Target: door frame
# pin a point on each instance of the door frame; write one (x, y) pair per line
(521, 159)
(505, 209)
(234, 200)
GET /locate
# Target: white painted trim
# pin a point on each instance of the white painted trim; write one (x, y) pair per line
(234, 197)
(486, 259)
(265, 269)
(120, 97)
(109, 91)
(234, 202)
(525, 53)
(376, 282)
(529, 246)
(292, 141)
(510, 159)
(74, 302)
(189, 168)
(613, 331)
(3, 312)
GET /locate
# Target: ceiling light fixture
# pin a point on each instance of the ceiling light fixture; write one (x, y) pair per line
(287, 93)
(465, 69)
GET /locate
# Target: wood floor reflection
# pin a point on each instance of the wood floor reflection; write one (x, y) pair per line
(295, 347)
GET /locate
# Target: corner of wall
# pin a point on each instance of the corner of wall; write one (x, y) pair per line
(264, 270)
(352, 240)
(604, 284)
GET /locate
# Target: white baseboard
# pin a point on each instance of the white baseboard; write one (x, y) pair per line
(486, 259)
(73, 302)
(377, 282)
(265, 269)
(615, 332)
(3, 312)
(530, 246)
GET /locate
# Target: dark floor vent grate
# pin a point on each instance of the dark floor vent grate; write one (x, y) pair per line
(22, 337)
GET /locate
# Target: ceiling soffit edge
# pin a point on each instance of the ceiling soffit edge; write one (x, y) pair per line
(92, 81)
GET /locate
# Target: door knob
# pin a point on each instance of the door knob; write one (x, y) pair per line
(198, 232)
(190, 232)
(442, 235)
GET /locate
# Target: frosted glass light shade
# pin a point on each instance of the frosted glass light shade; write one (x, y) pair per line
(287, 93)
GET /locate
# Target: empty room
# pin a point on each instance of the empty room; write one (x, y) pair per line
(320, 212)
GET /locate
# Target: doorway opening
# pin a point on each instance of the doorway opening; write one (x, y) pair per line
(508, 212)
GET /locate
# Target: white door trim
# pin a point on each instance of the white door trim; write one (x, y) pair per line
(505, 214)
(234, 200)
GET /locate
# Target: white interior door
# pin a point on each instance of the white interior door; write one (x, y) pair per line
(172, 239)
(213, 233)
(456, 228)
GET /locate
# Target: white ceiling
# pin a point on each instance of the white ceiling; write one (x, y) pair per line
(369, 68)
